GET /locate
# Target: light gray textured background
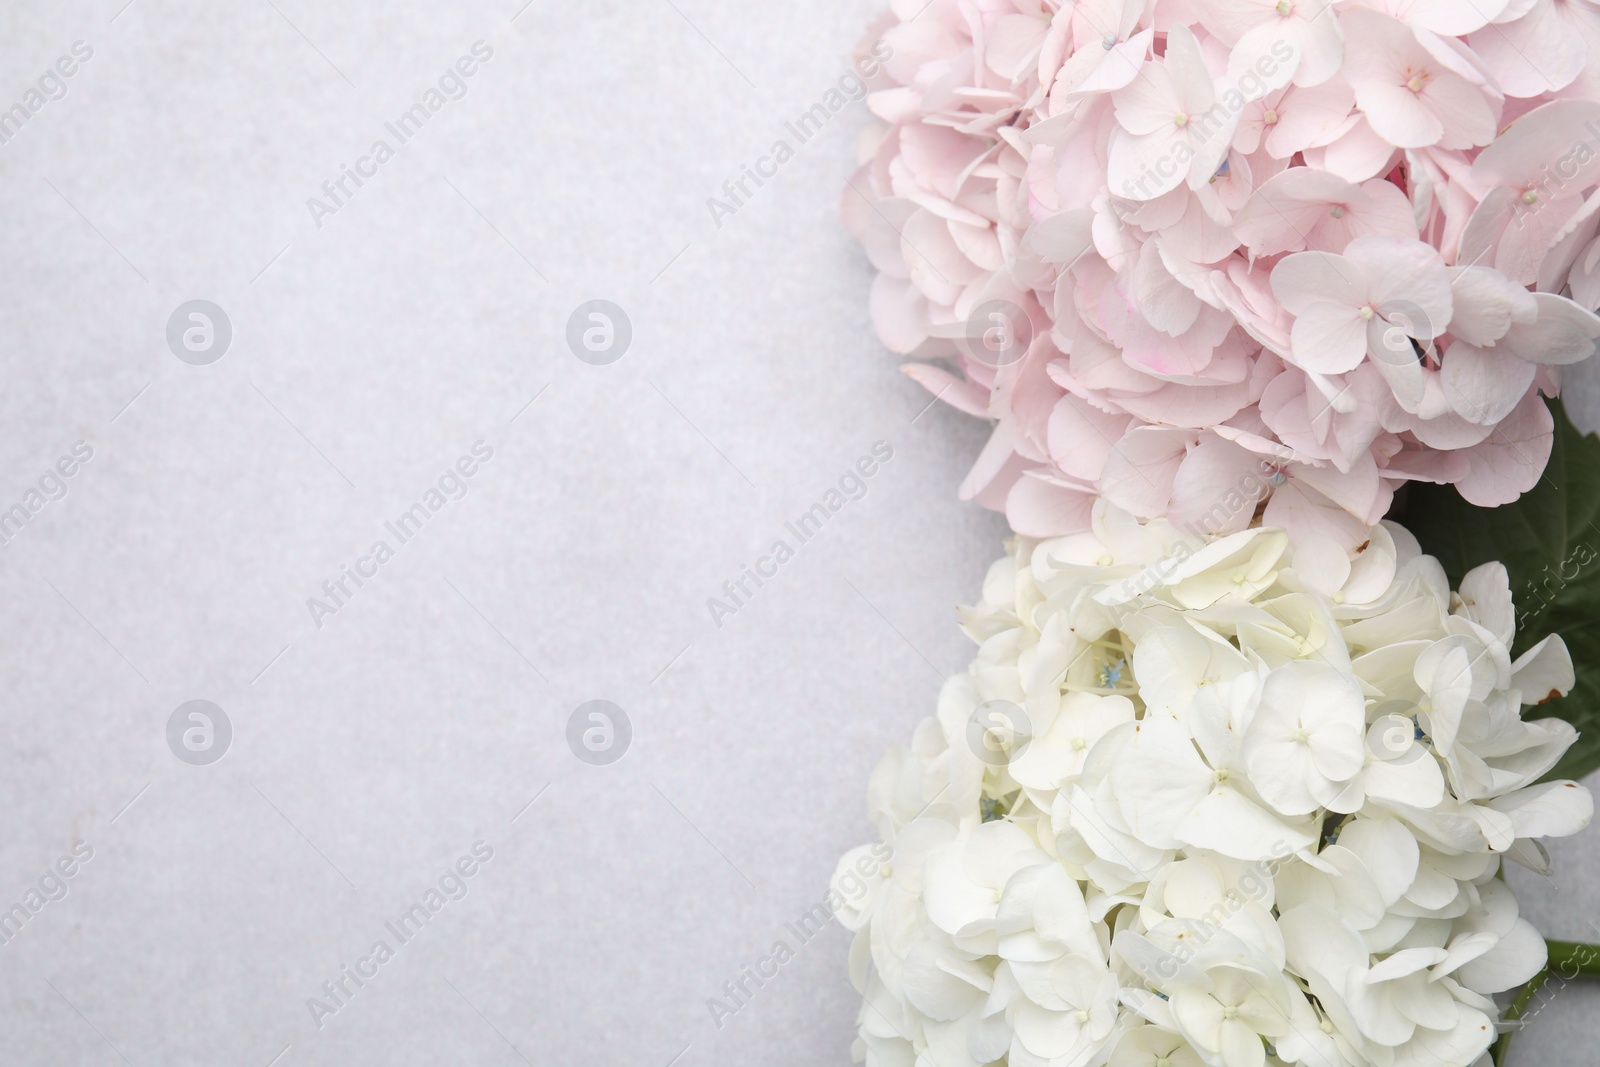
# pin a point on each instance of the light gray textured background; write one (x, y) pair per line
(368, 354)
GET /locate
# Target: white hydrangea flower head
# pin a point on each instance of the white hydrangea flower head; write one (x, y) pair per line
(1221, 802)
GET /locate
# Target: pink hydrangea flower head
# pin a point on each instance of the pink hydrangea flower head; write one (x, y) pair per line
(1293, 252)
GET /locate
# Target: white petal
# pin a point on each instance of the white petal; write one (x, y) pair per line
(1544, 672)
(1517, 957)
(1554, 809)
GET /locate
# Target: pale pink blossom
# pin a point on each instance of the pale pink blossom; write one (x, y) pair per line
(1303, 208)
(1412, 96)
(1170, 126)
(1372, 300)
(1543, 49)
(1302, 35)
(1291, 253)
(1294, 119)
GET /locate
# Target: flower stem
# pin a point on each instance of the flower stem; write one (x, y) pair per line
(1568, 960)
(1502, 1047)
(1572, 958)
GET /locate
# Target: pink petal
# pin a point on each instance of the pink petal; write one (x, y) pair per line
(1378, 70)
(1527, 152)
(1509, 462)
(1488, 221)
(1081, 437)
(1426, 465)
(1360, 491)
(1407, 282)
(1483, 386)
(1450, 18)
(936, 264)
(1305, 278)
(1486, 304)
(958, 393)
(1148, 103)
(1217, 486)
(1061, 238)
(1562, 333)
(899, 313)
(1260, 46)
(1190, 78)
(1287, 206)
(997, 452)
(1304, 204)
(1531, 234)
(1379, 209)
(1184, 405)
(1468, 119)
(1322, 43)
(1329, 338)
(1310, 118)
(1136, 163)
(1038, 507)
(1405, 379)
(877, 224)
(1163, 302)
(1141, 467)
(1537, 53)
(1357, 155)
(1398, 115)
(1304, 512)
(1013, 43)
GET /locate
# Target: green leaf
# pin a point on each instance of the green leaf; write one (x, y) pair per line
(1549, 541)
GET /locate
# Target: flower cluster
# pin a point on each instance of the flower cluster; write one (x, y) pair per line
(1166, 240)
(1227, 802)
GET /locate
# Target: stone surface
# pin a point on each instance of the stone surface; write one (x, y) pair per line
(375, 743)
